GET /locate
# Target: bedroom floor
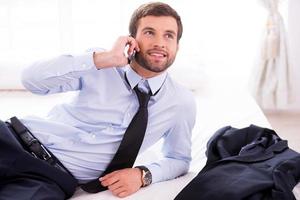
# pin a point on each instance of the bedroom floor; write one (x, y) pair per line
(287, 126)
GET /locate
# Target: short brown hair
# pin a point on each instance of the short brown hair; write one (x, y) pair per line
(154, 9)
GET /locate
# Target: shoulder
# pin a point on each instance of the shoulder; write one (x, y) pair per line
(182, 96)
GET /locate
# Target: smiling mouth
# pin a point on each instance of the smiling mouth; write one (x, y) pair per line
(158, 54)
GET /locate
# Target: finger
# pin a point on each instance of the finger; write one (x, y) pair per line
(107, 176)
(115, 186)
(123, 194)
(119, 191)
(133, 45)
(109, 181)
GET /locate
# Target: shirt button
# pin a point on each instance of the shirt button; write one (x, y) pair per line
(93, 136)
(83, 65)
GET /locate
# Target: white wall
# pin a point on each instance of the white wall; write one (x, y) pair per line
(220, 37)
(294, 43)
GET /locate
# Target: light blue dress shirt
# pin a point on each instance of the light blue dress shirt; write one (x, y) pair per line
(85, 134)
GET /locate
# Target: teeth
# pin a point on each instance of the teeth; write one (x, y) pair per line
(157, 54)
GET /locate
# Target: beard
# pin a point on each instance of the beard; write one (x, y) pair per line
(142, 60)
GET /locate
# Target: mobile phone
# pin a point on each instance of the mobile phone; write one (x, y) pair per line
(132, 56)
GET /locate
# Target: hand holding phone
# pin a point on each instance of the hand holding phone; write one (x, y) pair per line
(132, 56)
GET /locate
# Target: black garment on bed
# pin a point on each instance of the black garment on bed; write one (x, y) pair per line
(251, 163)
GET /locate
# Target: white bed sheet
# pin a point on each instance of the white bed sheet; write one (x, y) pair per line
(216, 107)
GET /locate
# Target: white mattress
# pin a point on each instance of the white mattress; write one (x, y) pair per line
(216, 107)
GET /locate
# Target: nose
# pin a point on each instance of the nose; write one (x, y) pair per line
(159, 42)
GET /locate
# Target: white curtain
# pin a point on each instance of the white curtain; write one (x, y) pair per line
(271, 79)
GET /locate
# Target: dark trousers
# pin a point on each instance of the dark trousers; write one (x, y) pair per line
(24, 177)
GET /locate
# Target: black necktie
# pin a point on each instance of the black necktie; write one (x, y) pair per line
(130, 144)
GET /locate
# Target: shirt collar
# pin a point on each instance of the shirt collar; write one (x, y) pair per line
(154, 83)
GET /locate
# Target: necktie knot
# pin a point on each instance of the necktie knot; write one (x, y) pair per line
(142, 97)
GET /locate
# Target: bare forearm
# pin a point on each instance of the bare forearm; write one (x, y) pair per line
(107, 59)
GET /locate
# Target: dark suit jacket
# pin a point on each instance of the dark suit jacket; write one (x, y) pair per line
(251, 163)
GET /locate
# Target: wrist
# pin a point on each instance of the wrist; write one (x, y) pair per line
(108, 59)
(146, 175)
(102, 59)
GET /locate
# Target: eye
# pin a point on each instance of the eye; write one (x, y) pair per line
(169, 36)
(149, 33)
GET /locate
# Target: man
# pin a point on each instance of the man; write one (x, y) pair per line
(86, 134)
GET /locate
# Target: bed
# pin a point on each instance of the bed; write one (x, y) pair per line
(216, 107)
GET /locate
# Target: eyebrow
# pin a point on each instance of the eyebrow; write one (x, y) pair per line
(171, 32)
(148, 29)
(152, 29)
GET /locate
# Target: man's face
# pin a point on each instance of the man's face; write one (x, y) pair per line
(157, 39)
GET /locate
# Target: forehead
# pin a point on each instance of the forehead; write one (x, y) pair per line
(161, 23)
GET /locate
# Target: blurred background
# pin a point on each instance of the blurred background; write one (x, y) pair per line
(251, 45)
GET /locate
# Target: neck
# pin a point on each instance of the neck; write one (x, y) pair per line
(142, 71)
